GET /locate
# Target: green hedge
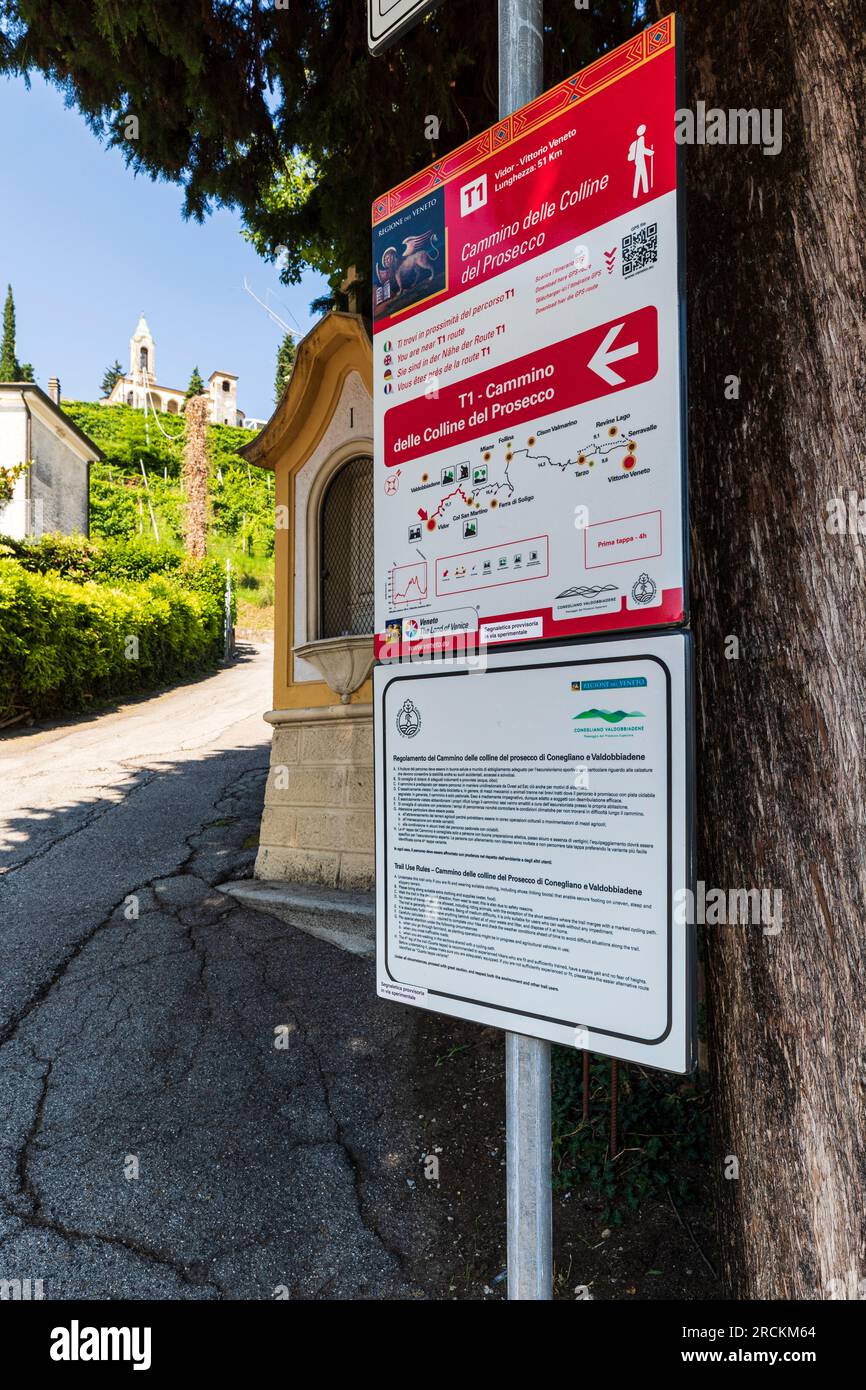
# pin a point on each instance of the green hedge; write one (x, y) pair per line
(114, 562)
(66, 643)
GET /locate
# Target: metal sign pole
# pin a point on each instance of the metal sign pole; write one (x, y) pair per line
(521, 39)
(527, 1129)
(227, 621)
(527, 1060)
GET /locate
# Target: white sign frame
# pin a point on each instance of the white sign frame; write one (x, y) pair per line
(674, 1048)
(388, 20)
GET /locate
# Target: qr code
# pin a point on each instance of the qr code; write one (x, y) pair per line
(640, 249)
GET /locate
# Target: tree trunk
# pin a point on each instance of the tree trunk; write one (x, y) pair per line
(195, 475)
(776, 297)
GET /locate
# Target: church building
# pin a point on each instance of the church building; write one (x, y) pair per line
(140, 390)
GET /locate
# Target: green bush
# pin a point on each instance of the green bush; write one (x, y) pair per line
(113, 508)
(115, 562)
(65, 643)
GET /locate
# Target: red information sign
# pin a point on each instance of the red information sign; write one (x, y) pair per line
(528, 380)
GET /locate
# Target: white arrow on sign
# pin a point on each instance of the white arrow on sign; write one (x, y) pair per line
(605, 353)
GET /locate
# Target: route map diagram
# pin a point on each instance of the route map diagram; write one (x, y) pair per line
(484, 490)
(463, 529)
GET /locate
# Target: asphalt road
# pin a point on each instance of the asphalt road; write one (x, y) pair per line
(197, 1101)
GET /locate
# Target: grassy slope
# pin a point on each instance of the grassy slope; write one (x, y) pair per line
(241, 527)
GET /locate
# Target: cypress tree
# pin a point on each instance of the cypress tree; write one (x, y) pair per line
(9, 370)
(285, 362)
(112, 374)
(196, 385)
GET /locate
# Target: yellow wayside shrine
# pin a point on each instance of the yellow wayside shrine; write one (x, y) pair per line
(318, 820)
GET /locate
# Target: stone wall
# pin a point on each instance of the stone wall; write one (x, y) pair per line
(318, 824)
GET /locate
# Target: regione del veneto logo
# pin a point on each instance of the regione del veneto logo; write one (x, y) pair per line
(409, 262)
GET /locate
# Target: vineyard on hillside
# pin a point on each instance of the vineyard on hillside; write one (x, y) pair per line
(137, 492)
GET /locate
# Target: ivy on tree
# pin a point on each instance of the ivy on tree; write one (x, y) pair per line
(195, 476)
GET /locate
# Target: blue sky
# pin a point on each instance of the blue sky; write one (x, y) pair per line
(87, 247)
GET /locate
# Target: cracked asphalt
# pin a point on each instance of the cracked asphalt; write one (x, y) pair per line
(198, 1101)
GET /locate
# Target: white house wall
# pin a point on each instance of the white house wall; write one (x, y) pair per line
(13, 450)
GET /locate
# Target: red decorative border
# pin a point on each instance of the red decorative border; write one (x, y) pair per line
(606, 70)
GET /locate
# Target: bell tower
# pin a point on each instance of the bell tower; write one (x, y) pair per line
(142, 355)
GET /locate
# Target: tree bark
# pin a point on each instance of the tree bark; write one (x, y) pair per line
(776, 286)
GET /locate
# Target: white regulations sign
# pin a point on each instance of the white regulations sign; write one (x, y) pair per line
(533, 839)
